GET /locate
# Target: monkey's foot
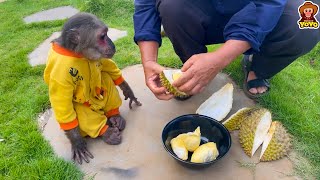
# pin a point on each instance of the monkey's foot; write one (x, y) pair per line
(112, 136)
(117, 121)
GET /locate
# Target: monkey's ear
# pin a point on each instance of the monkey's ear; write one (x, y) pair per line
(74, 36)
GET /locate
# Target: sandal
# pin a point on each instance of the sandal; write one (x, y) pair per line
(259, 82)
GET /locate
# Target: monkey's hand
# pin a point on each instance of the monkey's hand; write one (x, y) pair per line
(79, 146)
(128, 93)
(117, 121)
(112, 136)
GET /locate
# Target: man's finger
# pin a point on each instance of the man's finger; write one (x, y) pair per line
(164, 96)
(189, 85)
(185, 77)
(196, 89)
(187, 64)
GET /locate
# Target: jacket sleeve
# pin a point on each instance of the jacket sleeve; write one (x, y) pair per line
(254, 22)
(61, 95)
(147, 22)
(112, 69)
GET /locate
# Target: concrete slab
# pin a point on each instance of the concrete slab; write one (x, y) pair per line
(58, 13)
(39, 55)
(141, 154)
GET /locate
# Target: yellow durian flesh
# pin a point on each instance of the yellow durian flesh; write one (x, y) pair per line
(176, 75)
(192, 140)
(205, 153)
(179, 148)
(166, 79)
(253, 131)
(276, 144)
(219, 103)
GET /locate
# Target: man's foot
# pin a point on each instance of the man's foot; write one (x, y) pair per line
(253, 86)
(256, 90)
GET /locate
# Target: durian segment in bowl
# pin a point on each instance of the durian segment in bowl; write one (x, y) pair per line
(205, 153)
(219, 103)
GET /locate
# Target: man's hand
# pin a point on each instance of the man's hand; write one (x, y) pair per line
(152, 71)
(198, 71)
(128, 93)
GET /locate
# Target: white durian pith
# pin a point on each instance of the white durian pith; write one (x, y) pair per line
(253, 130)
(276, 144)
(219, 103)
(166, 78)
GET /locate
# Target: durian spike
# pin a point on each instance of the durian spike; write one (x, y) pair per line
(166, 79)
(234, 121)
(219, 103)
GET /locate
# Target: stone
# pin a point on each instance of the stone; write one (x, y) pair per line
(58, 13)
(39, 55)
(141, 155)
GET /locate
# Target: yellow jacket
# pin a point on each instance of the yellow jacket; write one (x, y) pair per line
(73, 79)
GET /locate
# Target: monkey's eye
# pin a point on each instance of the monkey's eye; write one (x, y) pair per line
(103, 36)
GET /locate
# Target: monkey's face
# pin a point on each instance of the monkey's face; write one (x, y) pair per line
(101, 45)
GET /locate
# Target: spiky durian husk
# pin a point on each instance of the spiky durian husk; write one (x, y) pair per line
(248, 130)
(165, 83)
(279, 145)
(234, 121)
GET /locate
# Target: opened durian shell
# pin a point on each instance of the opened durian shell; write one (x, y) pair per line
(166, 79)
(219, 103)
(235, 120)
(276, 144)
(253, 130)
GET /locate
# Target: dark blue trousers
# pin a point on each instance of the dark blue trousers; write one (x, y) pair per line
(187, 25)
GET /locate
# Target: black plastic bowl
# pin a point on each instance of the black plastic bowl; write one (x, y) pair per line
(211, 131)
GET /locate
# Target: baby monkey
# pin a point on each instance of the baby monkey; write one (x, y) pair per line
(82, 82)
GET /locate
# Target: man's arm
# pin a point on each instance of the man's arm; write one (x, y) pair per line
(147, 35)
(254, 22)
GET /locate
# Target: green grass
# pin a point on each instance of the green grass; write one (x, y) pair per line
(294, 99)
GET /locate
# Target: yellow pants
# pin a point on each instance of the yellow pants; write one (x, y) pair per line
(92, 121)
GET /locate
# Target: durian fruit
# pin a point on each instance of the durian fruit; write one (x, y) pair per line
(235, 120)
(167, 77)
(219, 104)
(253, 130)
(205, 153)
(276, 144)
(179, 148)
(192, 140)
